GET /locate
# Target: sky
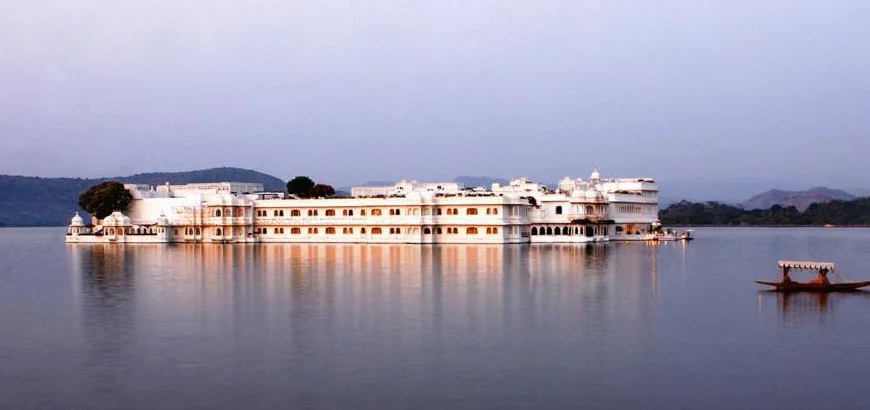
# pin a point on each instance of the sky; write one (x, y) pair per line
(350, 91)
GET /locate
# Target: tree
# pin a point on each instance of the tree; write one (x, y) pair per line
(103, 199)
(300, 186)
(321, 191)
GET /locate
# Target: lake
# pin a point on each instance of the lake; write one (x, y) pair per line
(616, 325)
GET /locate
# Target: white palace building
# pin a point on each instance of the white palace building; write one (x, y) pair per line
(522, 211)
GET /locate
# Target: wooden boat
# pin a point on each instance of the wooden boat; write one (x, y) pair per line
(819, 284)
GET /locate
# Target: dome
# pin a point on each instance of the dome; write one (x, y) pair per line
(109, 220)
(77, 220)
(117, 219)
(162, 220)
(595, 175)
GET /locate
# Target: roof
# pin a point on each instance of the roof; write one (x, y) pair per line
(807, 265)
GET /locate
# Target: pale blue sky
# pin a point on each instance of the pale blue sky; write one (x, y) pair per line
(356, 90)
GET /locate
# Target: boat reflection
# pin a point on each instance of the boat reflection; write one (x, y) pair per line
(796, 307)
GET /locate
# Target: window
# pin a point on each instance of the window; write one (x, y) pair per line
(218, 232)
(376, 212)
(362, 231)
(197, 231)
(549, 231)
(398, 212)
(471, 231)
(495, 231)
(589, 210)
(534, 230)
(398, 231)
(362, 212)
(217, 212)
(295, 231)
(438, 231)
(427, 231)
(559, 210)
(455, 211)
(392, 212)
(376, 231)
(495, 211)
(471, 211)
(330, 231)
(330, 212)
(281, 213)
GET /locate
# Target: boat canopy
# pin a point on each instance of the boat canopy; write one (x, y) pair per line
(809, 265)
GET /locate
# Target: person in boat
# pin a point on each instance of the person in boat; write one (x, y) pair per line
(786, 280)
(823, 278)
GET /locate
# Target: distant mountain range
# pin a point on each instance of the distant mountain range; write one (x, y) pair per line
(799, 199)
(35, 201)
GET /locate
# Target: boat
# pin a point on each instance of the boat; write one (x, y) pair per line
(687, 235)
(819, 284)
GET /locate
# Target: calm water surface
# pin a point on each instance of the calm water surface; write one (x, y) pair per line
(620, 325)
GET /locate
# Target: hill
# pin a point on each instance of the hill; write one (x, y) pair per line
(798, 199)
(843, 213)
(473, 182)
(35, 201)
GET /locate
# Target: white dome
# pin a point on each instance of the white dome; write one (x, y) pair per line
(117, 219)
(595, 174)
(77, 220)
(162, 220)
(109, 220)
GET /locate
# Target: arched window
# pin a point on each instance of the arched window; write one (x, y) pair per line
(576, 230)
(217, 212)
(392, 212)
(219, 232)
(590, 210)
(438, 211)
(559, 210)
(294, 212)
(471, 231)
(330, 212)
(295, 231)
(495, 211)
(438, 231)
(362, 212)
(427, 231)
(398, 211)
(376, 212)
(488, 230)
(330, 231)
(549, 230)
(376, 231)
(566, 231)
(281, 213)
(534, 230)
(455, 211)
(494, 231)
(362, 231)
(471, 211)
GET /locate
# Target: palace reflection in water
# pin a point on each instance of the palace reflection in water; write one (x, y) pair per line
(229, 313)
